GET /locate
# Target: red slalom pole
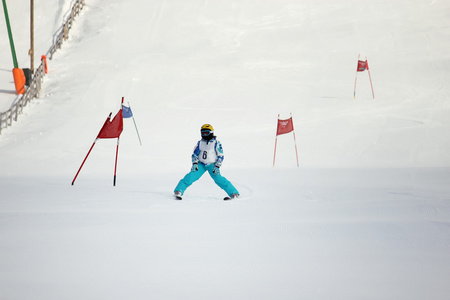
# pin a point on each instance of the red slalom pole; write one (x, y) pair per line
(115, 166)
(295, 141)
(296, 152)
(117, 153)
(370, 78)
(276, 138)
(90, 150)
(73, 181)
(275, 152)
(356, 77)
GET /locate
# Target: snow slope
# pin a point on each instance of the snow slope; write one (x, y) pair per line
(366, 216)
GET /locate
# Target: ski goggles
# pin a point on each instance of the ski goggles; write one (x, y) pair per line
(206, 132)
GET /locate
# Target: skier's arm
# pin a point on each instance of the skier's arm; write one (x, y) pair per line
(196, 153)
(219, 152)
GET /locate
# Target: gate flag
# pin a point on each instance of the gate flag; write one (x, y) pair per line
(285, 126)
(112, 129)
(127, 113)
(362, 66)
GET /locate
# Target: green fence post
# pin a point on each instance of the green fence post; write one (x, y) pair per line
(11, 41)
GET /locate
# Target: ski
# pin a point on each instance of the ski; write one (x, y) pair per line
(179, 197)
(234, 196)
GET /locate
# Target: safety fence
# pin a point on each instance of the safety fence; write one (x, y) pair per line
(34, 88)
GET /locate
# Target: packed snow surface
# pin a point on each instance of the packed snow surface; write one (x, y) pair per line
(366, 215)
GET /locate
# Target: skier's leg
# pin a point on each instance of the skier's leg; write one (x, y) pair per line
(222, 182)
(190, 178)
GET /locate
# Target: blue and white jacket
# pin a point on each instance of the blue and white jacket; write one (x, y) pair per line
(208, 152)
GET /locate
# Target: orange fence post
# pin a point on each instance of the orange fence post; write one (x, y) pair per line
(44, 58)
(19, 80)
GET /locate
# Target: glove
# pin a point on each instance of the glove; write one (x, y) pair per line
(216, 170)
(194, 167)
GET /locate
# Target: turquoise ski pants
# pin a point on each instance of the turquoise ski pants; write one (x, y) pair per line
(193, 176)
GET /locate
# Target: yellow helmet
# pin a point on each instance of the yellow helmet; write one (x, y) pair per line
(207, 127)
(207, 132)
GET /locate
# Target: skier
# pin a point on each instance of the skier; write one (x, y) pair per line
(207, 156)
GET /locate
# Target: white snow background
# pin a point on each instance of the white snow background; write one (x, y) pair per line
(365, 216)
